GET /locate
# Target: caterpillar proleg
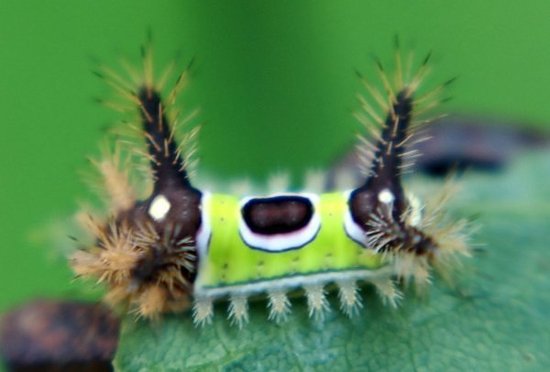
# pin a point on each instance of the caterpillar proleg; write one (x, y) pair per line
(166, 244)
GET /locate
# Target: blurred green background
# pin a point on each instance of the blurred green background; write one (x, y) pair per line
(274, 80)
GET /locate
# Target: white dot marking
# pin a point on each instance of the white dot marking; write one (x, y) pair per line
(385, 196)
(159, 207)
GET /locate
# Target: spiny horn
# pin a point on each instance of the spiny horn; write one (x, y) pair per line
(166, 162)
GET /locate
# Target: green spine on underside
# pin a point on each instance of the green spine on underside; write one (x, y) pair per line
(230, 261)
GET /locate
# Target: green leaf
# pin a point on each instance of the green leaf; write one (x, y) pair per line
(497, 319)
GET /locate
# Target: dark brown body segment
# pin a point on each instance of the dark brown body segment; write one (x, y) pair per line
(181, 223)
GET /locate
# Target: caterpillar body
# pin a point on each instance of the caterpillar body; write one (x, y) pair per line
(182, 248)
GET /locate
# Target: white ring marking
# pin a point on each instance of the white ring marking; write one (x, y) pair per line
(352, 229)
(205, 230)
(281, 242)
